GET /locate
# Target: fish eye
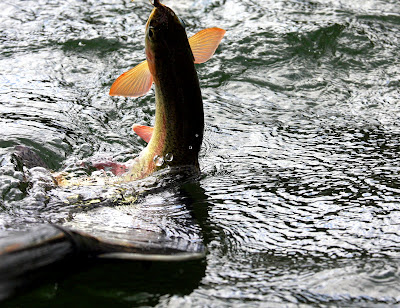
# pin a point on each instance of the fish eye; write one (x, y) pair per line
(151, 32)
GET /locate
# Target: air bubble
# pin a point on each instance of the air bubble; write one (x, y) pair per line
(158, 160)
(169, 157)
(190, 147)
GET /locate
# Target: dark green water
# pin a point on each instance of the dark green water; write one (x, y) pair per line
(299, 199)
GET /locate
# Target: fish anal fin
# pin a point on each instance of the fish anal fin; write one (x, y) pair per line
(204, 43)
(133, 83)
(144, 132)
(115, 168)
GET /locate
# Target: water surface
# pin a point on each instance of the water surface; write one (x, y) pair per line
(299, 196)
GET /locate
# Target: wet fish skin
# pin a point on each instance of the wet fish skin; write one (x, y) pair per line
(177, 135)
(179, 123)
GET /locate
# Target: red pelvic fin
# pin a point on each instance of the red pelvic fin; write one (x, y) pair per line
(144, 132)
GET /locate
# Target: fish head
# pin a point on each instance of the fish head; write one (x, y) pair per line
(165, 32)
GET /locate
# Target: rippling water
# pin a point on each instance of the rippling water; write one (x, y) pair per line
(300, 189)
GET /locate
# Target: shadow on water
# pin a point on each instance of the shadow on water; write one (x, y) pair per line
(104, 282)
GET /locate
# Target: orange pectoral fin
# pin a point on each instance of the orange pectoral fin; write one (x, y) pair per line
(204, 43)
(133, 83)
(144, 132)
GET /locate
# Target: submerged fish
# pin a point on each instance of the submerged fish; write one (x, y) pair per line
(177, 135)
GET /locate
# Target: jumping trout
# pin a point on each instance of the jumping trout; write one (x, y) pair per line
(177, 135)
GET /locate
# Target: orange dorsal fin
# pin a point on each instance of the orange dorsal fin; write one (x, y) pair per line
(144, 132)
(204, 43)
(133, 83)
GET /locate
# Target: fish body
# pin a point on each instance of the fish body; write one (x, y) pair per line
(176, 137)
(179, 122)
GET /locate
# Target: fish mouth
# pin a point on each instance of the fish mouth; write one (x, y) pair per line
(156, 3)
(160, 16)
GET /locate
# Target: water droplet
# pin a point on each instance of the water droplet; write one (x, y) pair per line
(169, 157)
(158, 160)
